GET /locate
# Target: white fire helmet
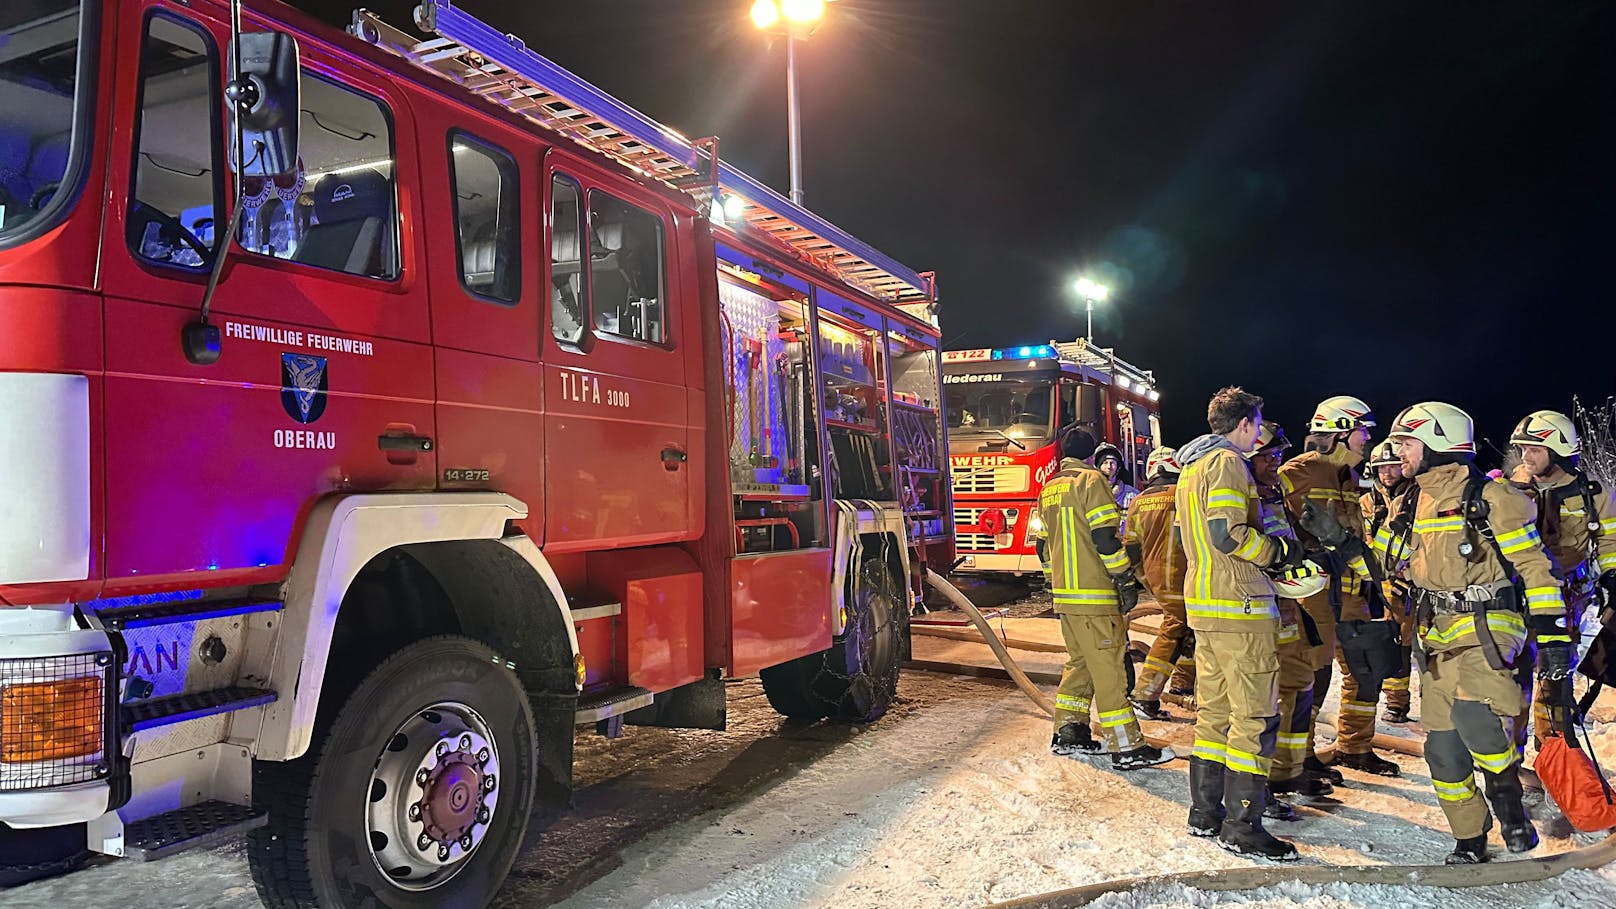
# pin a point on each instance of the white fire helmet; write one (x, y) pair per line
(1551, 429)
(1270, 437)
(1442, 427)
(1342, 413)
(1384, 455)
(1300, 583)
(1162, 460)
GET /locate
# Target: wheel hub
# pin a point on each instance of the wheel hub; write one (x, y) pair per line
(433, 795)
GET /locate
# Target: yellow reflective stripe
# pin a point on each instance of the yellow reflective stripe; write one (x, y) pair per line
(1517, 540)
(1607, 561)
(1115, 561)
(1359, 567)
(1159, 665)
(1608, 525)
(1495, 763)
(1209, 751)
(1357, 707)
(1069, 702)
(1258, 608)
(1438, 525)
(1455, 792)
(1553, 639)
(1239, 495)
(1541, 600)
(1249, 550)
(1290, 634)
(1395, 685)
(1090, 594)
(1502, 622)
(1245, 761)
(1102, 514)
(1292, 741)
(1113, 718)
(1325, 494)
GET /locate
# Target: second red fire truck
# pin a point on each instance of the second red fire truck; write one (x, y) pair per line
(375, 408)
(1006, 408)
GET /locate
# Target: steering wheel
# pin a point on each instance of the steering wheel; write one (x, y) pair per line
(169, 229)
(43, 195)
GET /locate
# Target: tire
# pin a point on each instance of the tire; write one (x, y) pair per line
(438, 703)
(40, 852)
(857, 678)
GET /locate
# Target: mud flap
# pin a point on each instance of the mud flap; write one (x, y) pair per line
(698, 705)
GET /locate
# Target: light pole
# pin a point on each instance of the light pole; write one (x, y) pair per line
(795, 19)
(1092, 292)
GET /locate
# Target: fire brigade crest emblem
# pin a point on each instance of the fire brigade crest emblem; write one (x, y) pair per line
(303, 386)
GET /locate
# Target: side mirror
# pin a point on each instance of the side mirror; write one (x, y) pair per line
(265, 98)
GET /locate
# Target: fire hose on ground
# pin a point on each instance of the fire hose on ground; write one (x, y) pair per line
(1449, 876)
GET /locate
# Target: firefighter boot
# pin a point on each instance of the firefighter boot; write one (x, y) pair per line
(1369, 762)
(1143, 756)
(1472, 851)
(1206, 797)
(1149, 710)
(1074, 739)
(1305, 785)
(1276, 810)
(1504, 792)
(1314, 767)
(1244, 797)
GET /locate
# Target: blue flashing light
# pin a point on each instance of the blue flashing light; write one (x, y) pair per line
(1044, 350)
(998, 355)
(1024, 352)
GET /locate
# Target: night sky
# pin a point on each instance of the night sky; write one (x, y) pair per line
(1401, 201)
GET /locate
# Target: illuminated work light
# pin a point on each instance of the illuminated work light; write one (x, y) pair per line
(41, 721)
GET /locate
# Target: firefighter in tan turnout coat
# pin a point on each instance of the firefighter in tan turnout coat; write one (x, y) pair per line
(1093, 587)
(1151, 540)
(1231, 606)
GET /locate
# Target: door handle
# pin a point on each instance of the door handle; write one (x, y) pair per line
(404, 443)
(673, 456)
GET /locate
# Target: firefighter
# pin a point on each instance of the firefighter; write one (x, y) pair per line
(1295, 652)
(1324, 477)
(1108, 458)
(1576, 518)
(1093, 587)
(1155, 548)
(1231, 607)
(1462, 541)
(1386, 476)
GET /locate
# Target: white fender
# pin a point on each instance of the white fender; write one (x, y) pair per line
(342, 535)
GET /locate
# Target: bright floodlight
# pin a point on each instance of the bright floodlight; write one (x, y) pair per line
(802, 10)
(1090, 289)
(765, 13)
(734, 208)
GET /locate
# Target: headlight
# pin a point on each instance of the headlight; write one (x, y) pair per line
(1035, 525)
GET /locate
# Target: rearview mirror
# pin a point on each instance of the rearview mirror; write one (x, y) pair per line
(266, 99)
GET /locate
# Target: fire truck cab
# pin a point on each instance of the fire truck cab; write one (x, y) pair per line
(378, 407)
(1006, 410)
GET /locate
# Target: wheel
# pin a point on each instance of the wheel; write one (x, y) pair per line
(415, 793)
(41, 852)
(857, 678)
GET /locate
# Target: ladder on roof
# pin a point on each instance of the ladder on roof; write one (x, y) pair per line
(1102, 358)
(501, 69)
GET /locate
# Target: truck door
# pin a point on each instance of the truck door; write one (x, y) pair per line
(324, 327)
(618, 406)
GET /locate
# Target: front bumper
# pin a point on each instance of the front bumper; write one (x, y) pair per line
(1008, 563)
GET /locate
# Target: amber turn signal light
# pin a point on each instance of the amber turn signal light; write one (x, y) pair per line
(41, 721)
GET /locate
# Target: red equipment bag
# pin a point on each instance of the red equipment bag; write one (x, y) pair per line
(1576, 786)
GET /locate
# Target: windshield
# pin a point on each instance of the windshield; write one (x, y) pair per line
(1018, 408)
(39, 75)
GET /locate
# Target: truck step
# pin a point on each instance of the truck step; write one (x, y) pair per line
(601, 705)
(178, 708)
(203, 824)
(120, 618)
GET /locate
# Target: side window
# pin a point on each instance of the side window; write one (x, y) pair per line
(626, 270)
(568, 312)
(338, 210)
(177, 187)
(1068, 405)
(486, 217)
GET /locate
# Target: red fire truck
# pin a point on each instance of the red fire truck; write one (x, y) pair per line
(378, 408)
(1006, 408)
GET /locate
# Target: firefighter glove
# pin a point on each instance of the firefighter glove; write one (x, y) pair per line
(1554, 662)
(1607, 586)
(1290, 555)
(1128, 588)
(1324, 526)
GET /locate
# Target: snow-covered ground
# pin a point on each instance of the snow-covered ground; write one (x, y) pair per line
(953, 800)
